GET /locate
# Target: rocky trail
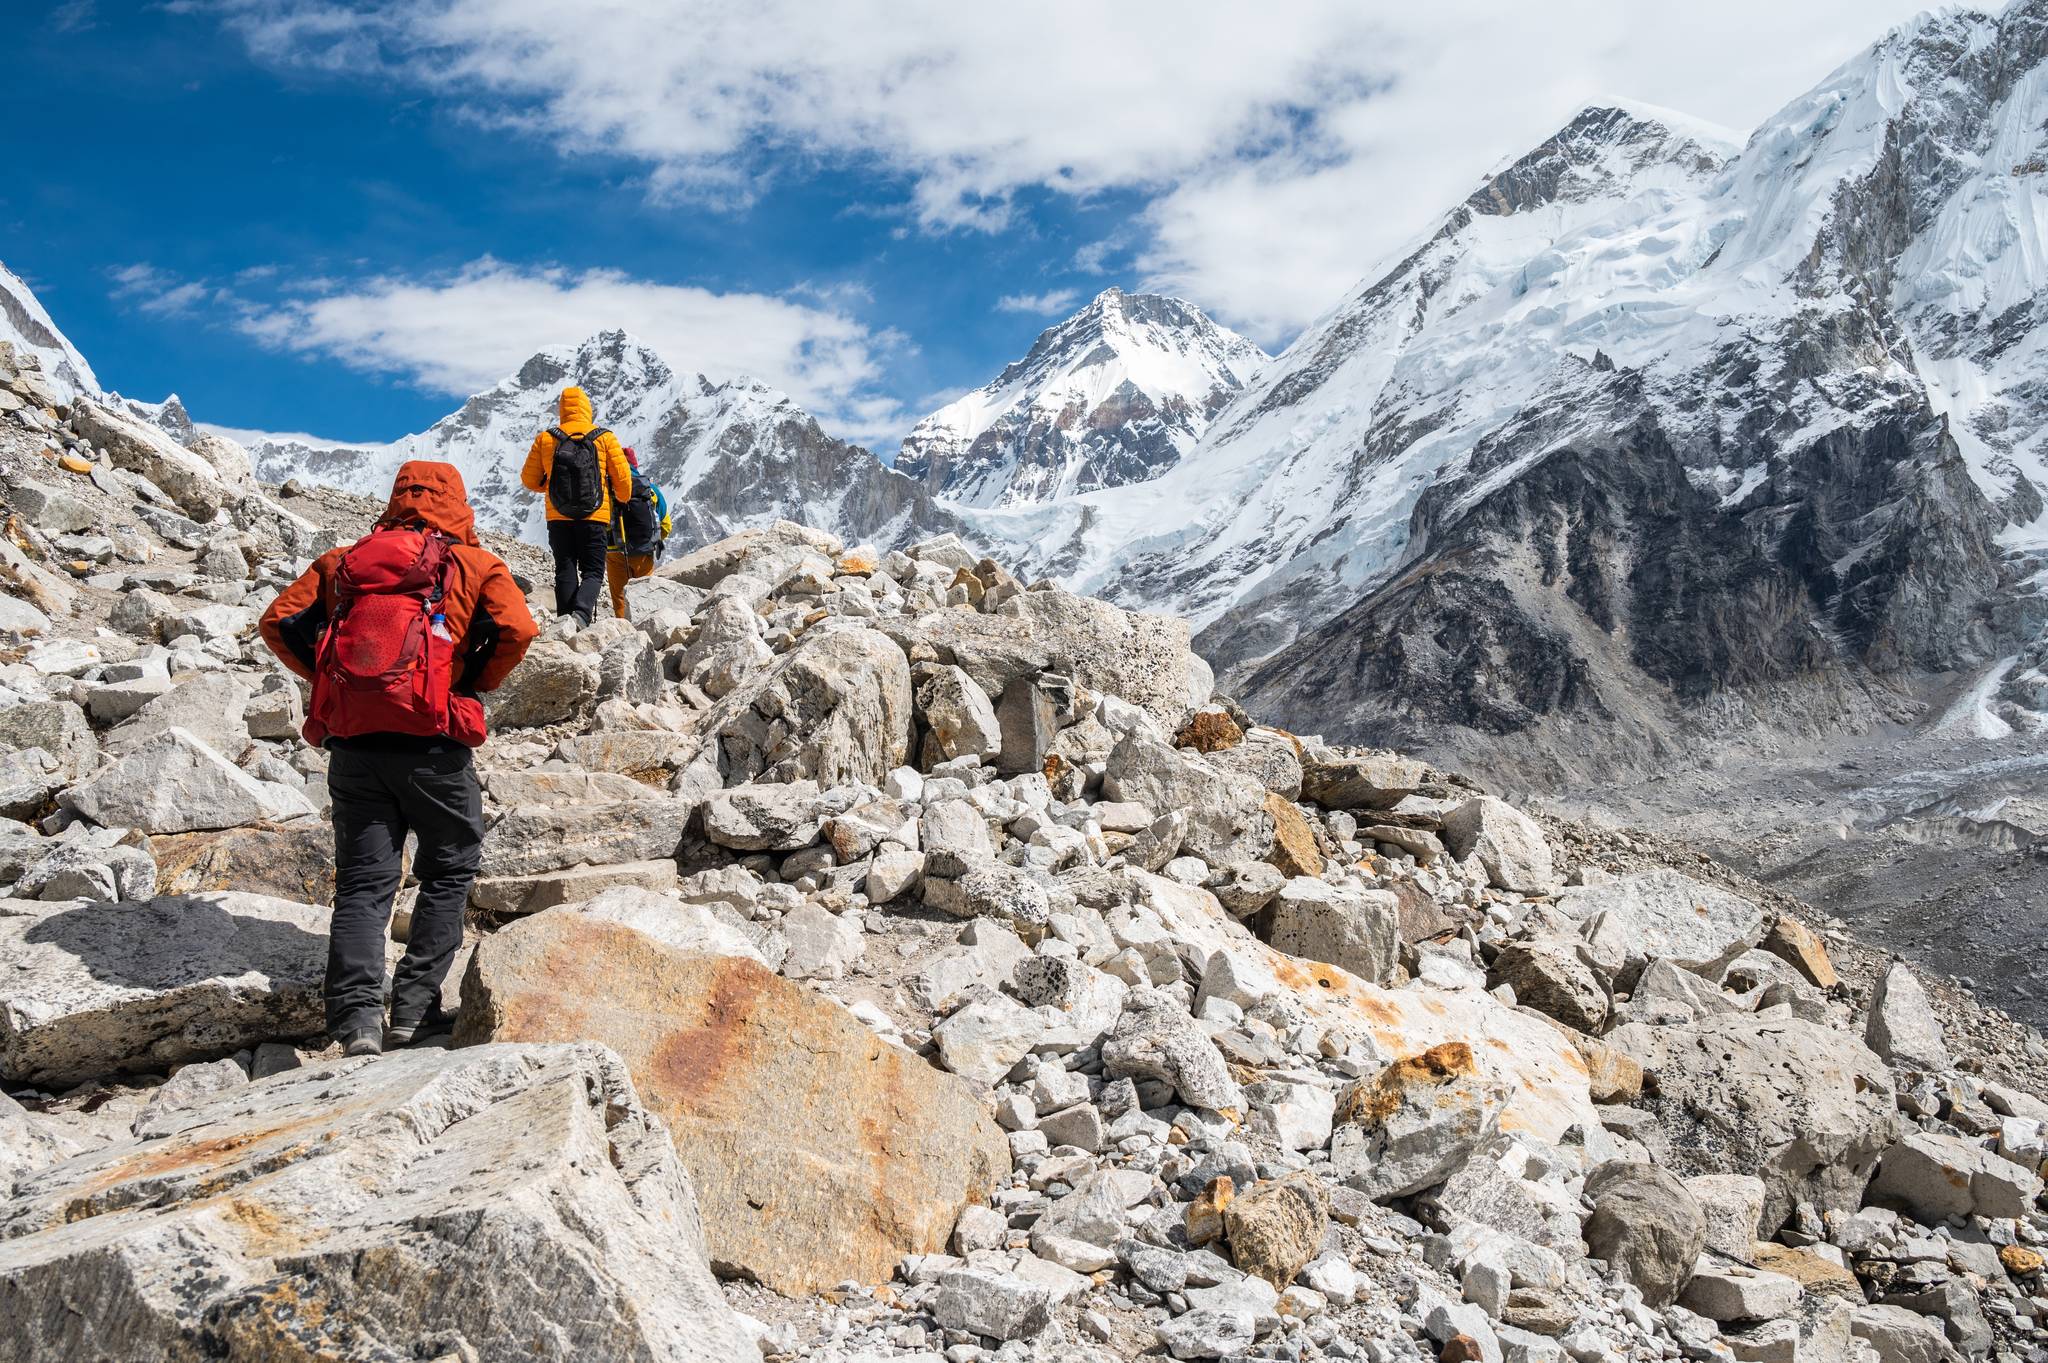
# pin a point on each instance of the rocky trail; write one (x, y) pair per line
(877, 957)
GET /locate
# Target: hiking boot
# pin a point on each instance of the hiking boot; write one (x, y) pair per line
(361, 1041)
(566, 627)
(436, 1021)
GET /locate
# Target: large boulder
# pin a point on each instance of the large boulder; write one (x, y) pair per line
(1414, 1123)
(1357, 931)
(229, 460)
(1801, 1106)
(835, 708)
(1937, 1177)
(1144, 659)
(28, 781)
(553, 684)
(291, 861)
(209, 705)
(57, 727)
(1647, 1226)
(960, 717)
(512, 896)
(1662, 915)
(1508, 843)
(820, 1152)
(765, 816)
(1154, 1038)
(1227, 818)
(1547, 974)
(1902, 1025)
(1276, 1227)
(172, 782)
(505, 1202)
(534, 838)
(91, 988)
(189, 479)
(1373, 780)
(754, 552)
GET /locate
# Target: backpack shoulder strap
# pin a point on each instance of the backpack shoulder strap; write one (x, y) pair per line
(597, 433)
(558, 433)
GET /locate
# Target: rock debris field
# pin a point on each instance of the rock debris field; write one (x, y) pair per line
(879, 958)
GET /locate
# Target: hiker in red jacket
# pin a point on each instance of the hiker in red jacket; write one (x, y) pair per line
(398, 634)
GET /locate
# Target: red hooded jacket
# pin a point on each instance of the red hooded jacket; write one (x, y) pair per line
(484, 607)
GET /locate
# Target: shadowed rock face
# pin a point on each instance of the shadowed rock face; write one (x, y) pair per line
(1607, 584)
(97, 988)
(788, 1111)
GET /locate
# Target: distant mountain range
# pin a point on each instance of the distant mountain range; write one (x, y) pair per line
(1661, 436)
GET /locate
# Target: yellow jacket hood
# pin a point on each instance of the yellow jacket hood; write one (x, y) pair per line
(574, 412)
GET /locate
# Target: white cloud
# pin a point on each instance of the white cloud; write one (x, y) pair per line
(1271, 242)
(459, 333)
(1052, 303)
(1285, 149)
(158, 292)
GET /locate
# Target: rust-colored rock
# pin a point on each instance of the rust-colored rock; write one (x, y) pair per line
(1809, 1270)
(1375, 1101)
(287, 861)
(1277, 1226)
(1612, 1076)
(1460, 1349)
(860, 561)
(1209, 731)
(1294, 843)
(1800, 947)
(2020, 1261)
(820, 1152)
(1204, 1219)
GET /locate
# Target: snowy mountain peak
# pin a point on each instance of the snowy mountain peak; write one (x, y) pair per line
(24, 323)
(1609, 146)
(1114, 395)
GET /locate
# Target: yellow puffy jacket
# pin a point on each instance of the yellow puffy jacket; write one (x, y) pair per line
(575, 418)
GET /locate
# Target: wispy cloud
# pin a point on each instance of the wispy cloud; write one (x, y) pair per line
(158, 292)
(74, 16)
(1052, 303)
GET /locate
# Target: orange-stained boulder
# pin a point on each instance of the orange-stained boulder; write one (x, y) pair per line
(820, 1153)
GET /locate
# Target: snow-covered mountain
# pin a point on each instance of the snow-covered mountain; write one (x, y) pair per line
(24, 323)
(1116, 394)
(728, 455)
(1653, 431)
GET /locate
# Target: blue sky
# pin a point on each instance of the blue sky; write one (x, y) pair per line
(308, 215)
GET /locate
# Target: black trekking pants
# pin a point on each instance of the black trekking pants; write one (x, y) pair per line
(378, 798)
(579, 565)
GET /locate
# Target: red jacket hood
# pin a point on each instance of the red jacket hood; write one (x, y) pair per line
(431, 492)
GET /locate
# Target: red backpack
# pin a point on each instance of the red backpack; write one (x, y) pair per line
(386, 663)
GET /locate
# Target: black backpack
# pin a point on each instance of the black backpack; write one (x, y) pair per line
(639, 522)
(576, 483)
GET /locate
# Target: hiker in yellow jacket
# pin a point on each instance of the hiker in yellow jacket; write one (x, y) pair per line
(580, 467)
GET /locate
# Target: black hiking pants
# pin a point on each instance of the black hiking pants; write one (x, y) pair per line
(380, 796)
(579, 565)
